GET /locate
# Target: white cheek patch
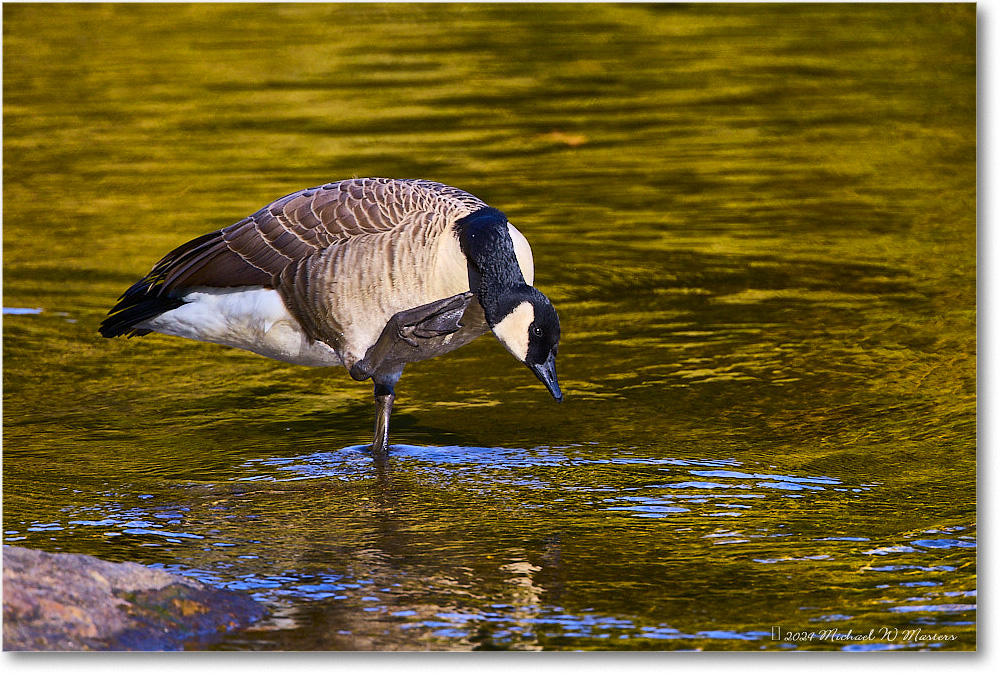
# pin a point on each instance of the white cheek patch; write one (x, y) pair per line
(513, 330)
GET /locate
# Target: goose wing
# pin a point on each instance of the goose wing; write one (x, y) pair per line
(260, 249)
(255, 251)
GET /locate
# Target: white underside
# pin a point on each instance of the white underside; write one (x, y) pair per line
(251, 318)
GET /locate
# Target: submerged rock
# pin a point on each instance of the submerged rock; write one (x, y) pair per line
(73, 602)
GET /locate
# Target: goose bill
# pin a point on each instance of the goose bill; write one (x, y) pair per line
(546, 372)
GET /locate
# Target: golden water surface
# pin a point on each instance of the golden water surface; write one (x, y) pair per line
(758, 224)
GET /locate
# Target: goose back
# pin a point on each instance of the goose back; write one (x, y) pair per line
(255, 250)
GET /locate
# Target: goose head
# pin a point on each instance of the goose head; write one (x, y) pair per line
(528, 327)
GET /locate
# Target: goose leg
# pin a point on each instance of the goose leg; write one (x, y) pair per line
(384, 397)
(383, 362)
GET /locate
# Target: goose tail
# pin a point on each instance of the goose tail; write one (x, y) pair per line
(155, 293)
(134, 307)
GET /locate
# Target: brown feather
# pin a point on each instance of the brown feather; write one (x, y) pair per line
(257, 250)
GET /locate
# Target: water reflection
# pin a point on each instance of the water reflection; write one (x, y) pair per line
(509, 596)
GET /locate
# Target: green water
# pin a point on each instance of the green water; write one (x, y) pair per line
(758, 224)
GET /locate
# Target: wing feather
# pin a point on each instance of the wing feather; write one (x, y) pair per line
(288, 232)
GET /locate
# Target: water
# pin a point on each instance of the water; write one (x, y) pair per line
(757, 223)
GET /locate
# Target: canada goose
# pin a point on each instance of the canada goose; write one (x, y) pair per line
(368, 273)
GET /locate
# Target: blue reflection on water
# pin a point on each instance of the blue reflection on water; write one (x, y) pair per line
(692, 493)
(944, 543)
(944, 607)
(769, 476)
(355, 462)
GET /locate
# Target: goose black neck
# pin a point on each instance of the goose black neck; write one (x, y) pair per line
(486, 242)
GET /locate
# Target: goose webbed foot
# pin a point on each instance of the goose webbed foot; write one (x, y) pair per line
(435, 319)
(410, 327)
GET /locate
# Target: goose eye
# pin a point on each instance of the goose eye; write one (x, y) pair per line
(536, 331)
